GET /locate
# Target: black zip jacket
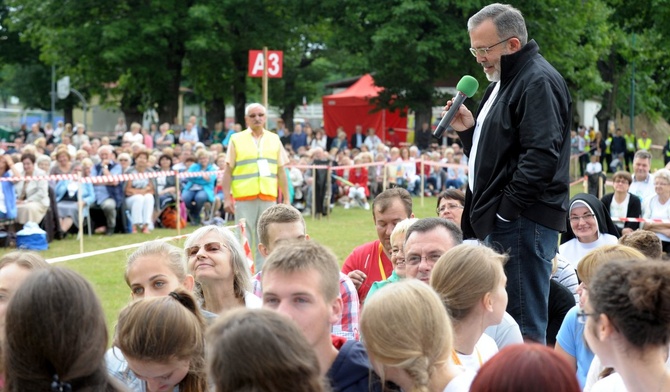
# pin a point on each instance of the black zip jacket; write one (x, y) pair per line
(523, 156)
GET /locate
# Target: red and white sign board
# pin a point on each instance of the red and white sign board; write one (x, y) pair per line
(275, 63)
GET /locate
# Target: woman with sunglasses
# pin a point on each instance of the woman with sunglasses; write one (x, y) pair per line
(589, 227)
(217, 261)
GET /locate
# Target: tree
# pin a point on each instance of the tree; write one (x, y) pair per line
(128, 49)
(411, 44)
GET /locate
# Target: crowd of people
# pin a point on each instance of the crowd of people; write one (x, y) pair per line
(135, 205)
(433, 318)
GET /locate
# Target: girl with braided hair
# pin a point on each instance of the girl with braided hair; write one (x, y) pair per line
(408, 336)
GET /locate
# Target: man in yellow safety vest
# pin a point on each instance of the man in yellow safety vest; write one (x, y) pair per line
(644, 141)
(254, 171)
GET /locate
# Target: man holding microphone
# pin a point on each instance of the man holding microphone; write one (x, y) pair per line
(518, 148)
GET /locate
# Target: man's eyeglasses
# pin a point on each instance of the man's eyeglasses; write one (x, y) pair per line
(210, 247)
(416, 259)
(482, 52)
(260, 115)
(583, 315)
(585, 217)
(449, 207)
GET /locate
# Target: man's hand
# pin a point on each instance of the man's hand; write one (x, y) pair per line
(463, 119)
(358, 277)
(229, 204)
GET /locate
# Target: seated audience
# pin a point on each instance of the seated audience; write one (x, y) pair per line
(216, 259)
(621, 203)
(56, 335)
(305, 273)
(589, 227)
(166, 187)
(570, 343)
(525, 368)
(7, 193)
(32, 197)
(199, 190)
(397, 255)
(161, 341)
(67, 197)
(470, 281)
(627, 324)
(261, 350)
(408, 335)
(658, 207)
(645, 241)
(140, 195)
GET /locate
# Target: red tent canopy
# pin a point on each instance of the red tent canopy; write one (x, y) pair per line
(352, 107)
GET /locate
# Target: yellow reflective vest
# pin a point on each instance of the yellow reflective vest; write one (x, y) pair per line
(644, 144)
(247, 181)
(630, 142)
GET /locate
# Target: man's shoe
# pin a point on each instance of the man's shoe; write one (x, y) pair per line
(110, 231)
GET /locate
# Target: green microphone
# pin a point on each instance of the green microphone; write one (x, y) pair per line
(467, 87)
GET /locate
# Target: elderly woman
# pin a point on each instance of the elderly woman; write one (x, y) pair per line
(217, 261)
(658, 207)
(63, 161)
(67, 196)
(199, 190)
(397, 255)
(140, 192)
(32, 197)
(621, 203)
(589, 227)
(124, 161)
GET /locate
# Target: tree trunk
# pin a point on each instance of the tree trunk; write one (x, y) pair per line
(606, 112)
(130, 107)
(67, 111)
(240, 58)
(216, 111)
(288, 117)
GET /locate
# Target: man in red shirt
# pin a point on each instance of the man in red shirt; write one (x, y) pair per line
(371, 262)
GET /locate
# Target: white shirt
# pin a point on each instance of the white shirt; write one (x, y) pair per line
(619, 210)
(477, 134)
(484, 349)
(643, 189)
(461, 383)
(656, 210)
(573, 250)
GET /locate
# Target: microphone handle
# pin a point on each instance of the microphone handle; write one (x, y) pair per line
(446, 120)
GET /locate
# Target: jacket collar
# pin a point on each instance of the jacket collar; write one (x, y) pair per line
(511, 64)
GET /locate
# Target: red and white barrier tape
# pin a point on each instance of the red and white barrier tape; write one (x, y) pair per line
(106, 179)
(641, 220)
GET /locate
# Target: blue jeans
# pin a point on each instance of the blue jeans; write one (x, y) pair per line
(200, 197)
(531, 248)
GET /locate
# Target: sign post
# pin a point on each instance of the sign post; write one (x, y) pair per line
(272, 68)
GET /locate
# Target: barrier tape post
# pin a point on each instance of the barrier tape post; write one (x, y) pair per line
(423, 182)
(313, 193)
(328, 191)
(178, 202)
(80, 218)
